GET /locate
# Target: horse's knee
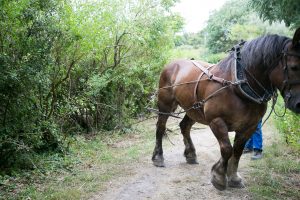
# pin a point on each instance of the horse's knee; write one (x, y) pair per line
(226, 152)
(227, 149)
(162, 120)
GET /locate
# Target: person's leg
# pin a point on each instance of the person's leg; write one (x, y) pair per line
(257, 142)
(257, 138)
(248, 146)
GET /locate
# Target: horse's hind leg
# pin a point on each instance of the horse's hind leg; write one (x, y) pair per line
(157, 157)
(189, 152)
(219, 170)
(166, 104)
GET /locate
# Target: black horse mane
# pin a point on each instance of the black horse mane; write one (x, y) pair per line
(262, 51)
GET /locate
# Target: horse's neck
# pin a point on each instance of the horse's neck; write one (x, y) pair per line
(225, 70)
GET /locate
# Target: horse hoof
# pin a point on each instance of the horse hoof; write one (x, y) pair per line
(236, 184)
(192, 161)
(219, 181)
(218, 185)
(159, 163)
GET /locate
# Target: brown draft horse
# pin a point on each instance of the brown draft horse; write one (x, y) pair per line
(268, 63)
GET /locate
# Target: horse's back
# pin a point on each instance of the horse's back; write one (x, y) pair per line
(174, 84)
(180, 71)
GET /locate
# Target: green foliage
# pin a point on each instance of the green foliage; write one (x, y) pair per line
(217, 31)
(234, 22)
(187, 52)
(127, 52)
(192, 39)
(214, 58)
(67, 66)
(29, 30)
(278, 10)
(289, 125)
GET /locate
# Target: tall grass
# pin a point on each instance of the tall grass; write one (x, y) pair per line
(277, 175)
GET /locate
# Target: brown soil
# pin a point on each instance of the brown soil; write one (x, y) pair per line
(178, 180)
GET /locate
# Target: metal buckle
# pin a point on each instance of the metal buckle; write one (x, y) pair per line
(198, 105)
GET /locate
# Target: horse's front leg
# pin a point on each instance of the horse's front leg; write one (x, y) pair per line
(234, 179)
(219, 169)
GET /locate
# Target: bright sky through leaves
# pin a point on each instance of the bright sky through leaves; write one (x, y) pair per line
(196, 12)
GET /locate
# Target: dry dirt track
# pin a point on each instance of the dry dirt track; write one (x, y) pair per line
(178, 180)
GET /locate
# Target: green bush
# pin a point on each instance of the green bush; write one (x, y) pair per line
(288, 125)
(29, 30)
(214, 58)
(71, 67)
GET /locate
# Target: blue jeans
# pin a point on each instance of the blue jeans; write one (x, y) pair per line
(256, 140)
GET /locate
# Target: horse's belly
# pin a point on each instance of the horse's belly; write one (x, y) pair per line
(197, 115)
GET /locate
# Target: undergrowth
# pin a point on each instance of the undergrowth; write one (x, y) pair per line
(277, 175)
(90, 162)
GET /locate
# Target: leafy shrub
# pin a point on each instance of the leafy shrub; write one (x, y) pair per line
(214, 58)
(288, 125)
(29, 31)
(71, 66)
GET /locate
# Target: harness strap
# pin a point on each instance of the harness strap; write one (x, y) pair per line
(202, 68)
(211, 76)
(206, 71)
(245, 88)
(196, 86)
(199, 104)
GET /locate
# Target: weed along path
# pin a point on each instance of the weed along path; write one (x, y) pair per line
(178, 180)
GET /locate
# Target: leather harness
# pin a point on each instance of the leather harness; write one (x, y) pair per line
(242, 82)
(206, 71)
(244, 87)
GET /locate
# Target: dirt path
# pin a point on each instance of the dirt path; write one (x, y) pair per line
(177, 180)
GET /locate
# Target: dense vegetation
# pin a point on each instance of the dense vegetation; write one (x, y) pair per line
(89, 66)
(278, 10)
(76, 66)
(236, 21)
